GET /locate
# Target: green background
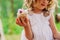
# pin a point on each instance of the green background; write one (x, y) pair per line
(8, 10)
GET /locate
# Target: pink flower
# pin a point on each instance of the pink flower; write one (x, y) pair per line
(20, 10)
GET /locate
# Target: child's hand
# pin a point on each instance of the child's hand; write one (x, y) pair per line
(56, 39)
(22, 19)
(57, 36)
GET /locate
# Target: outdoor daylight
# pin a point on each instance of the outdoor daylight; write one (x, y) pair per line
(14, 23)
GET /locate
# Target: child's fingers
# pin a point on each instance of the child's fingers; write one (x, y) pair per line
(56, 39)
(23, 22)
(19, 22)
(57, 36)
(16, 21)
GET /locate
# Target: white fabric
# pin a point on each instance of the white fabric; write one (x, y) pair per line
(40, 27)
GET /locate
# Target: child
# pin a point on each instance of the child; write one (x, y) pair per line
(38, 21)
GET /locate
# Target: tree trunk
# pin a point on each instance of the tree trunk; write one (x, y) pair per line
(12, 6)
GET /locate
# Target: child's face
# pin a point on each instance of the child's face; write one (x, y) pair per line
(40, 4)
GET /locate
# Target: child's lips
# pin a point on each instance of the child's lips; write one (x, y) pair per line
(43, 4)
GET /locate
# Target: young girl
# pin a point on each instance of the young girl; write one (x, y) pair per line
(38, 21)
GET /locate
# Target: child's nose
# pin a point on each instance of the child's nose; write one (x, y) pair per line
(45, 2)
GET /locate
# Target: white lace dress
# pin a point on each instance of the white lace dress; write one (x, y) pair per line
(40, 27)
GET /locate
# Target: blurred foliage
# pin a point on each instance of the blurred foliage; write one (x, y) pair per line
(8, 15)
(8, 10)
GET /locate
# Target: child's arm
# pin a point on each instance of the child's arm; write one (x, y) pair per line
(28, 32)
(53, 27)
(27, 27)
(22, 20)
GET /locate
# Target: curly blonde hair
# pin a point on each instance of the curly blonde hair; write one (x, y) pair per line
(28, 4)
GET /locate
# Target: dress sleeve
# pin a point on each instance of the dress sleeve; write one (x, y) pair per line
(52, 10)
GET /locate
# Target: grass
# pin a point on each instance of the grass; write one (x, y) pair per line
(12, 37)
(58, 26)
(10, 26)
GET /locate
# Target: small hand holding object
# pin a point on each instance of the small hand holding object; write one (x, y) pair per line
(22, 19)
(57, 36)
